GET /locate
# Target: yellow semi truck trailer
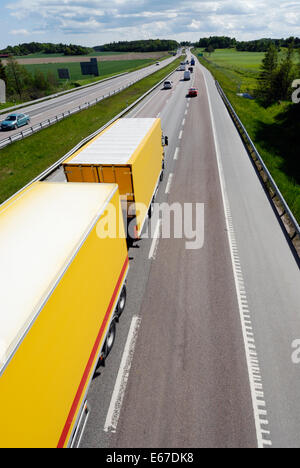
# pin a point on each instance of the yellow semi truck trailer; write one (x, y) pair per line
(62, 291)
(130, 153)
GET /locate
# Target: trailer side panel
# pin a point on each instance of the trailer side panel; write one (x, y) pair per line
(45, 382)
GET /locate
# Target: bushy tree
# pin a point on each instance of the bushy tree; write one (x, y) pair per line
(265, 89)
(210, 49)
(276, 78)
(39, 81)
(285, 75)
(2, 72)
(18, 79)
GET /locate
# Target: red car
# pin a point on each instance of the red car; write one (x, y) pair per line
(193, 92)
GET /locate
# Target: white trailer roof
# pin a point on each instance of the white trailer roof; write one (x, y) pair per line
(40, 232)
(115, 145)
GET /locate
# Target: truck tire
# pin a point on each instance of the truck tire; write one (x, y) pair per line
(122, 303)
(108, 345)
(162, 172)
(151, 209)
(110, 339)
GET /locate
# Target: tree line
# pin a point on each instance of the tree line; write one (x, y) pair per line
(149, 45)
(259, 45)
(217, 42)
(45, 48)
(262, 45)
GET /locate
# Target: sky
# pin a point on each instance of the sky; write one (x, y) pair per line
(96, 22)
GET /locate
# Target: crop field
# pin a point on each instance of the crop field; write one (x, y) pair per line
(274, 129)
(105, 68)
(241, 67)
(235, 59)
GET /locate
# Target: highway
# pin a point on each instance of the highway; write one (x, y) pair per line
(203, 351)
(42, 111)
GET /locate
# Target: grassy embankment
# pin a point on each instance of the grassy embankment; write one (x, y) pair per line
(24, 160)
(273, 130)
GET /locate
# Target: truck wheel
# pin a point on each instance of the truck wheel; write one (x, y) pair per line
(110, 339)
(121, 303)
(162, 171)
(108, 345)
(151, 210)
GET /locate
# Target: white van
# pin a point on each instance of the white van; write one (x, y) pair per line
(187, 75)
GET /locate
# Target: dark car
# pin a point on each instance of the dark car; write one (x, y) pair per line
(14, 121)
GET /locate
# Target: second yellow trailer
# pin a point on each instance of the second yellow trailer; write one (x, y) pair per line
(129, 153)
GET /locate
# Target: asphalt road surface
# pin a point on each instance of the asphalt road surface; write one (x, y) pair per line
(41, 111)
(203, 355)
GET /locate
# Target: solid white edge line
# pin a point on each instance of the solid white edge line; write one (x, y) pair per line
(253, 373)
(115, 406)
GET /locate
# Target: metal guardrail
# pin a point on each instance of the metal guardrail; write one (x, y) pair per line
(68, 91)
(55, 95)
(56, 165)
(291, 224)
(53, 120)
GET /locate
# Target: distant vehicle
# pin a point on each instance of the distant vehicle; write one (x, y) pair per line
(168, 85)
(157, 64)
(187, 75)
(14, 121)
(193, 92)
(193, 62)
(191, 69)
(182, 67)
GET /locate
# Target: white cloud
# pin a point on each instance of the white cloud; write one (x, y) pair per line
(21, 32)
(95, 21)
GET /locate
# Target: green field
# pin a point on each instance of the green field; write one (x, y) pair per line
(106, 68)
(241, 67)
(274, 130)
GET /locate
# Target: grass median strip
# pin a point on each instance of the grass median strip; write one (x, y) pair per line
(24, 160)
